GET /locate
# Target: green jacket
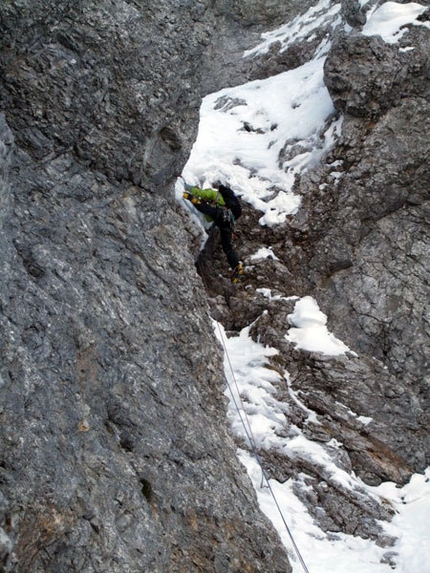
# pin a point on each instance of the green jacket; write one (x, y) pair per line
(209, 195)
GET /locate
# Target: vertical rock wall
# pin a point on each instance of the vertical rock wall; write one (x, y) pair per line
(115, 453)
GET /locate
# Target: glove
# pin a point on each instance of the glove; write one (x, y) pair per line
(195, 200)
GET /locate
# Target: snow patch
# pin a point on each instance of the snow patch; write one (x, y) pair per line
(309, 331)
(264, 253)
(390, 20)
(258, 136)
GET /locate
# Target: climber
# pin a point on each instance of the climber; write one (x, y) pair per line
(221, 206)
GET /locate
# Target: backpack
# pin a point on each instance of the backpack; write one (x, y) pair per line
(231, 201)
(228, 217)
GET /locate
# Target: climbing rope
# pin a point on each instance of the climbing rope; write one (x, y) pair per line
(252, 442)
(248, 431)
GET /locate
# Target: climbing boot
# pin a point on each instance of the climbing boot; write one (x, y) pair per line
(237, 272)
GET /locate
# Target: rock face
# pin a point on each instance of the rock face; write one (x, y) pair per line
(115, 450)
(116, 455)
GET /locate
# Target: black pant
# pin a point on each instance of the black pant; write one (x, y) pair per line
(217, 215)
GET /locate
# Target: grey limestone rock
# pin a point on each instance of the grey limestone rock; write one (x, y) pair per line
(116, 455)
(115, 452)
(353, 13)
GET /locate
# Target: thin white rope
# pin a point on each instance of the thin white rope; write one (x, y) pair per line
(250, 436)
(251, 439)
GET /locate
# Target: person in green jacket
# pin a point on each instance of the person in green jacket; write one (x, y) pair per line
(221, 206)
